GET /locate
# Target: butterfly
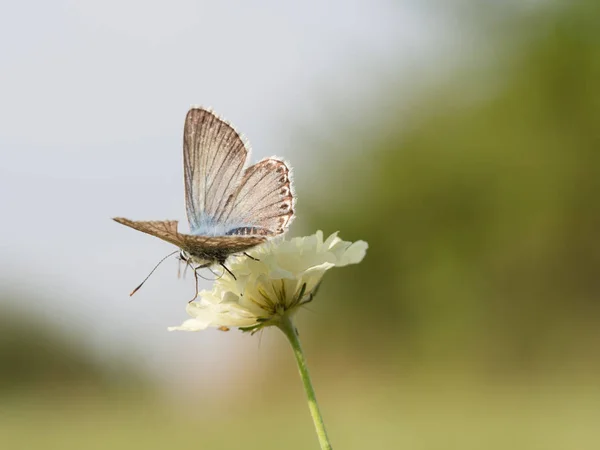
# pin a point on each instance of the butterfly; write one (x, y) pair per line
(229, 209)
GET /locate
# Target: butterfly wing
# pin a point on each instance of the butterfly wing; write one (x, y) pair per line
(165, 230)
(214, 155)
(218, 248)
(263, 202)
(207, 248)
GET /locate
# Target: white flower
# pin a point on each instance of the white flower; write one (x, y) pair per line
(286, 276)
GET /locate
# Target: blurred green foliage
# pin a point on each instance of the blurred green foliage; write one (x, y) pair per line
(481, 210)
(37, 358)
(553, 418)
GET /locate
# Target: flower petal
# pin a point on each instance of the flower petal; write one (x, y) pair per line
(271, 285)
(353, 254)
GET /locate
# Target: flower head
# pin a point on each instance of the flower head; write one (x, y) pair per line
(284, 276)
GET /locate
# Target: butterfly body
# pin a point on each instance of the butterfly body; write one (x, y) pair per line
(230, 209)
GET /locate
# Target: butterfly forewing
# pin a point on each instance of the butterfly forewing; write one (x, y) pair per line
(165, 230)
(209, 248)
(214, 155)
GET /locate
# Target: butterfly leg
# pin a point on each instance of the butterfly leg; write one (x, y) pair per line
(251, 257)
(230, 272)
(196, 283)
(196, 278)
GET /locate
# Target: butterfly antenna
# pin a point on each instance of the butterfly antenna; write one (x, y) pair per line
(151, 272)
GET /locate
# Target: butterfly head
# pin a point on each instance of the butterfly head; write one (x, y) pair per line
(198, 260)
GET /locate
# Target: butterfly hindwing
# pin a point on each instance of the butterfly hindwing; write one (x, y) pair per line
(263, 200)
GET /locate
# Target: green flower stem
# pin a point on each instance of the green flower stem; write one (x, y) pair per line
(288, 328)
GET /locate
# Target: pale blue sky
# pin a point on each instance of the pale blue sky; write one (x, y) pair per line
(93, 97)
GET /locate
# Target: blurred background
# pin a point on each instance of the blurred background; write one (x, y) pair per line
(460, 139)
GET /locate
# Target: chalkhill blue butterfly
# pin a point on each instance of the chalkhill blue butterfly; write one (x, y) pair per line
(230, 209)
